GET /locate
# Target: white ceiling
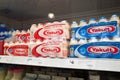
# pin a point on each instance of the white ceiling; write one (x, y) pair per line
(33, 9)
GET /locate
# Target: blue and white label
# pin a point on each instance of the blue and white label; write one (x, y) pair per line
(98, 30)
(98, 50)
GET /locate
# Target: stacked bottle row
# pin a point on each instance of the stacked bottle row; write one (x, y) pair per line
(96, 39)
(93, 39)
(48, 40)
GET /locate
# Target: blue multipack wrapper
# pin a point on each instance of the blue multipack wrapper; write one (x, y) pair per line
(96, 50)
(3, 28)
(97, 30)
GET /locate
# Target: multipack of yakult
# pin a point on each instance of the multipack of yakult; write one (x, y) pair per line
(96, 39)
(50, 39)
(16, 49)
(17, 44)
(49, 48)
(56, 30)
(22, 36)
(97, 29)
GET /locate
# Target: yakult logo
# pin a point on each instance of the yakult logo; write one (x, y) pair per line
(20, 51)
(103, 49)
(101, 29)
(49, 50)
(55, 32)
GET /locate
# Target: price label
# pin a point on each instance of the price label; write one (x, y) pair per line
(39, 62)
(29, 59)
(87, 64)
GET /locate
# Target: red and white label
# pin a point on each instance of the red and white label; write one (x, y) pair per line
(50, 49)
(24, 37)
(18, 50)
(100, 29)
(47, 48)
(51, 31)
(103, 49)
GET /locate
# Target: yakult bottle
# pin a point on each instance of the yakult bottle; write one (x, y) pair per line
(115, 17)
(82, 41)
(32, 31)
(67, 29)
(40, 25)
(31, 46)
(104, 39)
(103, 19)
(74, 24)
(64, 48)
(5, 33)
(83, 23)
(73, 41)
(10, 50)
(6, 46)
(93, 39)
(92, 20)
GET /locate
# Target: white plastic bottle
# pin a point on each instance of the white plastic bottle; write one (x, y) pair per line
(10, 33)
(93, 39)
(67, 29)
(64, 48)
(74, 24)
(32, 44)
(28, 31)
(116, 39)
(23, 32)
(6, 46)
(10, 45)
(82, 23)
(14, 33)
(38, 42)
(6, 33)
(103, 19)
(73, 41)
(92, 20)
(105, 39)
(33, 27)
(115, 17)
(17, 32)
(40, 25)
(1, 33)
(9, 74)
(17, 75)
(32, 31)
(82, 41)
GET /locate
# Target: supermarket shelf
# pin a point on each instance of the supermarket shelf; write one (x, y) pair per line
(89, 64)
